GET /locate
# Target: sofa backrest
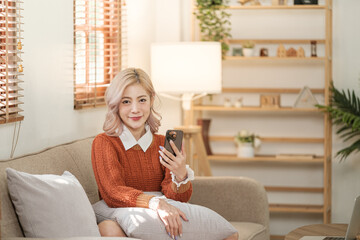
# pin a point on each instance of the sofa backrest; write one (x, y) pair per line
(74, 157)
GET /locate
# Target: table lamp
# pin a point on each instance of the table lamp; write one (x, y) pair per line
(189, 69)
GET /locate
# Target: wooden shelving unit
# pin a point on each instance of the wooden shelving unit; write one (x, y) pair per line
(325, 63)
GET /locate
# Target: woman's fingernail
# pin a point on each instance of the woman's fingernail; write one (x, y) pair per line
(159, 158)
(181, 235)
(161, 147)
(175, 238)
(160, 152)
(169, 234)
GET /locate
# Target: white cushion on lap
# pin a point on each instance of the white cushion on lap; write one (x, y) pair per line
(51, 205)
(145, 224)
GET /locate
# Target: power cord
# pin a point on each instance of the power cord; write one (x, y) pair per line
(15, 139)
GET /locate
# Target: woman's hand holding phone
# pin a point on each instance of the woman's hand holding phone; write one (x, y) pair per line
(175, 163)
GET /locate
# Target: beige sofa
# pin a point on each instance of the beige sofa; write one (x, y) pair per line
(242, 201)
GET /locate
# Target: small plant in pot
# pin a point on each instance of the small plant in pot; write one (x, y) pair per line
(214, 22)
(246, 143)
(248, 48)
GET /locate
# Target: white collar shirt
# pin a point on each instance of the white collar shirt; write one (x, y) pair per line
(129, 140)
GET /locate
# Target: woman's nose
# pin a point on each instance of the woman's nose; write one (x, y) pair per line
(134, 107)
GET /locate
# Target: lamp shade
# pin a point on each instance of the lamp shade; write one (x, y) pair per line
(186, 67)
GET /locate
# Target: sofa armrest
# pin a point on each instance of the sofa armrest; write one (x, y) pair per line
(237, 199)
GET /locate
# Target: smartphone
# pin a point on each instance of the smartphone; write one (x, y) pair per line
(176, 136)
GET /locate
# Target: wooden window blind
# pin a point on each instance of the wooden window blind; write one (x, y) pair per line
(11, 68)
(99, 48)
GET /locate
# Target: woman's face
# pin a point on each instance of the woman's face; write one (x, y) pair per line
(134, 108)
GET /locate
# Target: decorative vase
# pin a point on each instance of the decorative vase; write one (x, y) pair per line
(205, 126)
(245, 150)
(248, 52)
(238, 103)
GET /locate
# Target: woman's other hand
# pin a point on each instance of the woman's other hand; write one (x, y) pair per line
(176, 164)
(171, 217)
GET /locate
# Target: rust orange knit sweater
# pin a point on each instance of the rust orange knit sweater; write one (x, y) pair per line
(122, 176)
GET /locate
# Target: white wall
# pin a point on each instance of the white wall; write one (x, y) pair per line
(346, 74)
(48, 81)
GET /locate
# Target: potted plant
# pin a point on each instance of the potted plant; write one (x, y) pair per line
(246, 143)
(248, 48)
(344, 110)
(214, 22)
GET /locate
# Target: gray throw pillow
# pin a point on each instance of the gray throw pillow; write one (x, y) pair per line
(145, 224)
(51, 205)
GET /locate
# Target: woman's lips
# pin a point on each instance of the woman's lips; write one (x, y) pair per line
(135, 118)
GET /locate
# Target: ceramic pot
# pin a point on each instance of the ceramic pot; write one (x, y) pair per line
(245, 150)
(248, 52)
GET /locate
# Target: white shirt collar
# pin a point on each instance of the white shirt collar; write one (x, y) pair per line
(129, 141)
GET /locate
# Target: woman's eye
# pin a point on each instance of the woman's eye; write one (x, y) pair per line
(143, 100)
(125, 102)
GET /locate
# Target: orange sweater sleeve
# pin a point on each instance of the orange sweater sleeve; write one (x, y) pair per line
(170, 190)
(109, 175)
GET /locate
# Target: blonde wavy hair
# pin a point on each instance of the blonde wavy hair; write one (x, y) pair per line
(113, 126)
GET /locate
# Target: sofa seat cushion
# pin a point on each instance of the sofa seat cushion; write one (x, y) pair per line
(250, 231)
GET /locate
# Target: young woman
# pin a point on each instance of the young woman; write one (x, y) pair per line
(129, 158)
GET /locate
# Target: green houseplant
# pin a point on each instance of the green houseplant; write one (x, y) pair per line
(344, 110)
(248, 48)
(214, 22)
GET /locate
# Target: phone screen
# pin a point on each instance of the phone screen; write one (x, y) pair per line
(176, 136)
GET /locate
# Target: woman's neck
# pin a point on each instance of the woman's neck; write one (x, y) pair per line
(138, 133)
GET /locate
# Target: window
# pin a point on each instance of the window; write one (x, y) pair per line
(11, 68)
(99, 48)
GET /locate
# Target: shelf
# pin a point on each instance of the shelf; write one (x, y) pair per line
(277, 41)
(295, 208)
(218, 108)
(271, 139)
(270, 90)
(294, 189)
(265, 158)
(287, 7)
(293, 7)
(277, 59)
(277, 237)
